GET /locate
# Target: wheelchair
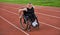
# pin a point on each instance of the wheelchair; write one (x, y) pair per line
(26, 24)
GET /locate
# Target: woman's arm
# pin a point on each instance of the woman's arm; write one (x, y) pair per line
(20, 12)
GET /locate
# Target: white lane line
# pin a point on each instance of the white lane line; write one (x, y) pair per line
(38, 13)
(49, 9)
(48, 15)
(13, 25)
(41, 6)
(9, 11)
(50, 25)
(52, 10)
(12, 7)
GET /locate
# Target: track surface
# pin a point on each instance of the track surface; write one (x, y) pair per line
(49, 18)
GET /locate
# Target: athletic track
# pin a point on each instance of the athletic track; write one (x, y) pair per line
(49, 19)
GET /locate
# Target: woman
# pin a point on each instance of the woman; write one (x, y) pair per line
(28, 13)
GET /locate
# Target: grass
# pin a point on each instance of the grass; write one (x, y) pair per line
(35, 2)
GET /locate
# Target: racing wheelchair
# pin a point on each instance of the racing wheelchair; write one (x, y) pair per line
(27, 24)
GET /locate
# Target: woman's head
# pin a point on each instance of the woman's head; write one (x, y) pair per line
(29, 5)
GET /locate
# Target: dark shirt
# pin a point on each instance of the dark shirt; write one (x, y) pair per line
(29, 12)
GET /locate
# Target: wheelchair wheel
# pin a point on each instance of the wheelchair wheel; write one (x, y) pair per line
(37, 26)
(22, 24)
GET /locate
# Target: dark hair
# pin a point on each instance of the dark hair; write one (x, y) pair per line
(29, 3)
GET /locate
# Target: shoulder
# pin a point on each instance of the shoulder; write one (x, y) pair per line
(23, 9)
(33, 6)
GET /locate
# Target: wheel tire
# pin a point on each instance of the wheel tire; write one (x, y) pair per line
(22, 24)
